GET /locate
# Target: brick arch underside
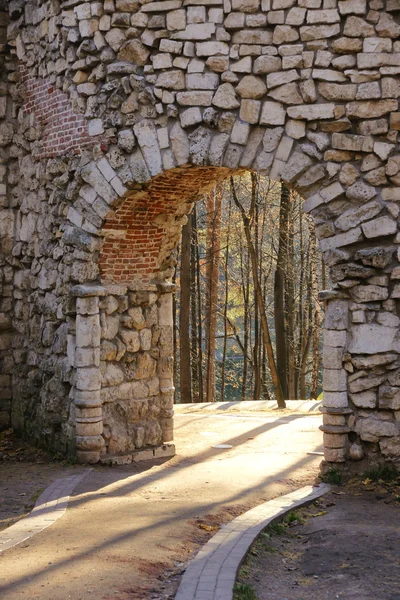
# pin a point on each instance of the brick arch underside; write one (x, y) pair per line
(141, 235)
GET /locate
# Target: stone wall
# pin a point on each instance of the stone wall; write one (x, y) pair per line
(120, 114)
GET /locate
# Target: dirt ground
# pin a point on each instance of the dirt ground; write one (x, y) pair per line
(25, 472)
(129, 531)
(345, 545)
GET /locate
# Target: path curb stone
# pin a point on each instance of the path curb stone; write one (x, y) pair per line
(212, 573)
(50, 506)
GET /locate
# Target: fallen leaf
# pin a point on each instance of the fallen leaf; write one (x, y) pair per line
(208, 527)
(320, 514)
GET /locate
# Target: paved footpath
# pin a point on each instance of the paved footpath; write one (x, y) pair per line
(129, 531)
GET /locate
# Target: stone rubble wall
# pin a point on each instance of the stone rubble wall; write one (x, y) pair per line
(120, 114)
(6, 232)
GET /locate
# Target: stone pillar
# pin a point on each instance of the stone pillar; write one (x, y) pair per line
(336, 406)
(166, 362)
(86, 394)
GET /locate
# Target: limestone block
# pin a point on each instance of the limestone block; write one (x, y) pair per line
(217, 148)
(212, 49)
(246, 6)
(312, 113)
(111, 375)
(251, 87)
(389, 397)
(87, 331)
(191, 116)
(225, 97)
(370, 109)
(354, 216)
(202, 81)
(88, 378)
(371, 338)
(309, 33)
(296, 165)
(387, 26)
(296, 16)
(337, 315)
(366, 399)
(284, 34)
(379, 227)
(335, 441)
(162, 60)
(390, 447)
(379, 257)
(147, 138)
(272, 113)
(360, 384)
(219, 64)
(369, 293)
(176, 20)
(335, 455)
(195, 32)
(335, 380)
(252, 36)
(171, 80)
(199, 143)
(278, 79)
(145, 339)
(240, 133)
(250, 111)
(165, 310)
(335, 399)
(372, 429)
(197, 98)
(242, 66)
(355, 7)
(267, 64)
(354, 143)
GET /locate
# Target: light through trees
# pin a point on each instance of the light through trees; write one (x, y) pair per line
(248, 319)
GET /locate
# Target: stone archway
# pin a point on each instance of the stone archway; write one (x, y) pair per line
(117, 116)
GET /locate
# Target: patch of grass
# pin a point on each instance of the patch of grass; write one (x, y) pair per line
(292, 517)
(333, 476)
(276, 528)
(244, 591)
(384, 473)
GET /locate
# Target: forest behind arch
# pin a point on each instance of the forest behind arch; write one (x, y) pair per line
(247, 315)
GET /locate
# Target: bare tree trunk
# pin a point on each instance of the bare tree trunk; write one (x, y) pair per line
(256, 362)
(264, 323)
(199, 309)
(279, 292)
(214, 203)
(184, 315)
(226, 299)
(194, 342)
(290, 305)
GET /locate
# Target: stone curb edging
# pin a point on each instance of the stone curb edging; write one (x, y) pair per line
(212, 573)
(50, 506)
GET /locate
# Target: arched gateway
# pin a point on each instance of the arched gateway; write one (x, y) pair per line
(117, 115)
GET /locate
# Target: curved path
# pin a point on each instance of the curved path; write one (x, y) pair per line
(129, 531)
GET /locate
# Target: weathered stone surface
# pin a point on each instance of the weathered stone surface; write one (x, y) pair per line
(371, 338)
(389, 397)
(365, 399)
(225, 97)
(355, 216)
(371, 429)
(251, 87)
(123, 115)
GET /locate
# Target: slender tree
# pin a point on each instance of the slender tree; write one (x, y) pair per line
(247, 222)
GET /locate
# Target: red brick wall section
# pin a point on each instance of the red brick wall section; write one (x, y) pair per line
(61, 129)
(144, 243)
